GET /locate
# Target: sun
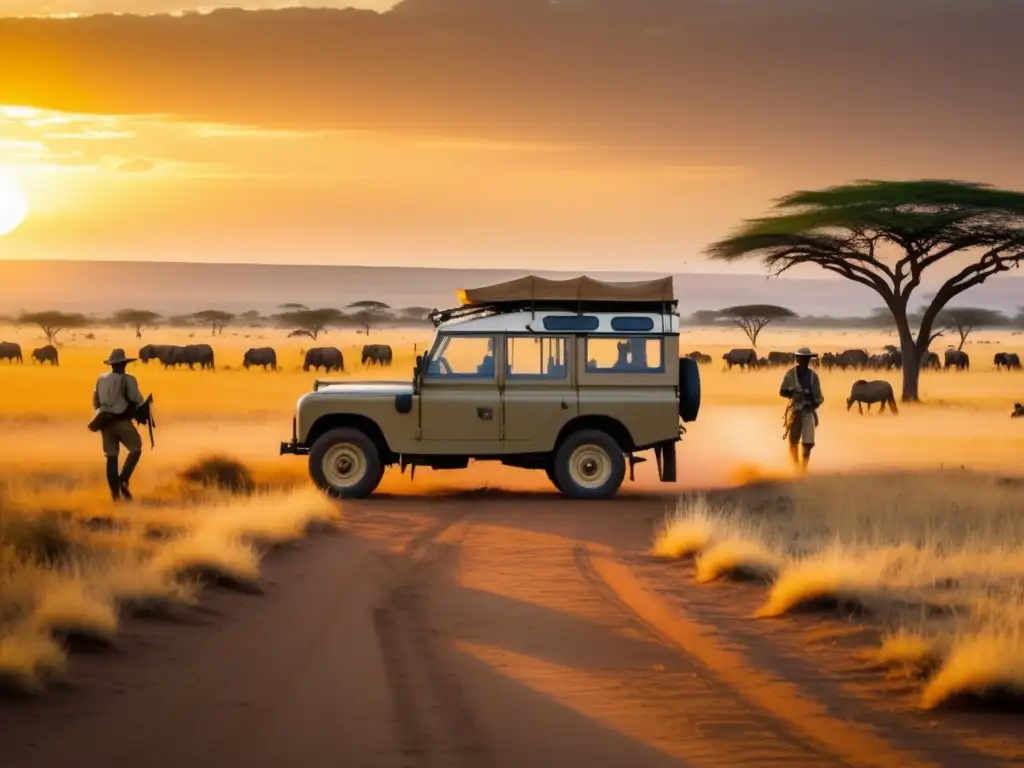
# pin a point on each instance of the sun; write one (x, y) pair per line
(13, 206)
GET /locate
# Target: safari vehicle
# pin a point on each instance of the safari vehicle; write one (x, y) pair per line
(572, 377)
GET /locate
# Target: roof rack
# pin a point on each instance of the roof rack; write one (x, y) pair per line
(467, 311)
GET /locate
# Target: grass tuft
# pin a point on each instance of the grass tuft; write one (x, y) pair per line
(28, 659)
(220, 472)
(739, 559)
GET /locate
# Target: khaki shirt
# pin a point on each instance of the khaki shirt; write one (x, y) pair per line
(110, 391)
(791, 386)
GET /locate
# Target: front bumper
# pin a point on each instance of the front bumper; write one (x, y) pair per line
(294, 448)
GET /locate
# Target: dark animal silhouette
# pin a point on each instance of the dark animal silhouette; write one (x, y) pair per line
(700, 358)
(159, 352)
(376, 353)
(852, 358)
(1018, 411)
(262, 356)
(199, 354)
(958, 359)
(868, 392)
(328, 358)
(47, 354)
(1008, 360)
(930, 361)
(779, 359)
(11, 352)
(744, 358)
(827, 361)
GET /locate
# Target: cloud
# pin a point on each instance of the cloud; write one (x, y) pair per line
(136, 165)
(722, 79)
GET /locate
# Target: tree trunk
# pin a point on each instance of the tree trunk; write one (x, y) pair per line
(911, 359)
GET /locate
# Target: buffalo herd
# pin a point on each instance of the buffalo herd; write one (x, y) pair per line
(890, 359)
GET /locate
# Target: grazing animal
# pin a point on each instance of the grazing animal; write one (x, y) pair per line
(958, 359)
(1008, 360)
(329, 358)
(47, 354)
(1018, 411)
(700, 358)
(779, 359)
(376, 353)
(11, 352)
(163, 353)
(262, 356)
(744, 358)
(828, 361)
(868, 392)
(852, 358)
(930, 361)
(199, 354)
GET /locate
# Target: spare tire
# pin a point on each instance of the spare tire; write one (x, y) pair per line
(689, 389)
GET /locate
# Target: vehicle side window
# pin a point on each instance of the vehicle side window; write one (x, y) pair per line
(536, 357)
(463, 357)
(635, 354)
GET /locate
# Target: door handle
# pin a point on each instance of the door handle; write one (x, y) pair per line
(485, 414)
(564, 406)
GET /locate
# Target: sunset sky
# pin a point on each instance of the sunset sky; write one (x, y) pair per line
(602, 134)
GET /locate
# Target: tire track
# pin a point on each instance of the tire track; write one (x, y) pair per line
(798, 715)
(434, 723)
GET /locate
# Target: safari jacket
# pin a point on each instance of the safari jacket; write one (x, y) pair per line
(791, 386)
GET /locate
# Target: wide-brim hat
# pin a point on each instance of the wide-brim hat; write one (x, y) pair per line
(117, 357)
(804, 352)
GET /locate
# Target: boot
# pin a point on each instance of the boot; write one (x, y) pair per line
(807, 457)
(112, 479)
(130, 463)
(794, 453)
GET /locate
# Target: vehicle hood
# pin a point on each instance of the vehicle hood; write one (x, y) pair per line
(366, 388)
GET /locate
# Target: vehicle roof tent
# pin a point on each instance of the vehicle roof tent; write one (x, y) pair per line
(574, 291)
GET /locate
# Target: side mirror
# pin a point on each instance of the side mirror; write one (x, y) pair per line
(417, 373)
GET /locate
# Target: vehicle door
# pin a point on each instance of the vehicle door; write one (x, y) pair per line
(540, 396)
(460, 402)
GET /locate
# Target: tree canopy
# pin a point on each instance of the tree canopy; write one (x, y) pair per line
(965, 319)
(135, 318)
(215, 318)
(885, 235)
(752, 318)
(309, 322)
(52, 322)
(368, 313)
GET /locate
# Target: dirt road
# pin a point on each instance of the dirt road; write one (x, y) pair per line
(488, 631)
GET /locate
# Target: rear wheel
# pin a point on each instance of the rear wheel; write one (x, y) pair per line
(589, 464)
(345, 463)
(549, 470)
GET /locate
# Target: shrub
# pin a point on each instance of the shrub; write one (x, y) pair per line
(221, 472)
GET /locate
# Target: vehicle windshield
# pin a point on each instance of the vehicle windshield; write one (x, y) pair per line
(456, 356)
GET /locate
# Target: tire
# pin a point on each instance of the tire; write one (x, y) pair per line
(345, 464)
(589, 464)
(689, 389)
(549, 470)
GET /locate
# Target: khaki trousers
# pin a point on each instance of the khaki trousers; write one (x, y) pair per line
(121, 432)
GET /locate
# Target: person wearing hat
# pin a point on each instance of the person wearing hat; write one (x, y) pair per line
(802, 387)
(115, 399)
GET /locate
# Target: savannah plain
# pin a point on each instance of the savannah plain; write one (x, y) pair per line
(870, 613)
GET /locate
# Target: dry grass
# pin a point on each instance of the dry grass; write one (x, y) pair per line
(937, 558)
(64, 581)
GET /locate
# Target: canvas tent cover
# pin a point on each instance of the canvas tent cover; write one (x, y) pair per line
(532, 288)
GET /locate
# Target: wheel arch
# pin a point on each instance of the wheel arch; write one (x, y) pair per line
(611, 426)
(364, 424)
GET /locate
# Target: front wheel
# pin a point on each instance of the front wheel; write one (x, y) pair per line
(345, 464)
(589, 464)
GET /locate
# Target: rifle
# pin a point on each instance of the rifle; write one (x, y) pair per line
(144, 416)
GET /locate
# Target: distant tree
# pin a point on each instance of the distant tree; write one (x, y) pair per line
(250, 316)
(752, 318)
(413, 314)
(705, 317)
(966, 319)
(309, 322)
(52, 322)
(214, 318)
(368, 313)
(181, 321)
(885, 235)
(135, 318)
(290, 306)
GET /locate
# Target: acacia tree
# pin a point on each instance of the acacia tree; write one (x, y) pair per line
(368, 313)
(52, 322)
(309, 322)
(885, 235)
(966, 319)
(214, 318)
(752, 318)
(135, 318)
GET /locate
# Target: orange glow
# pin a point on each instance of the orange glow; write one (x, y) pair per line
(13, 206)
